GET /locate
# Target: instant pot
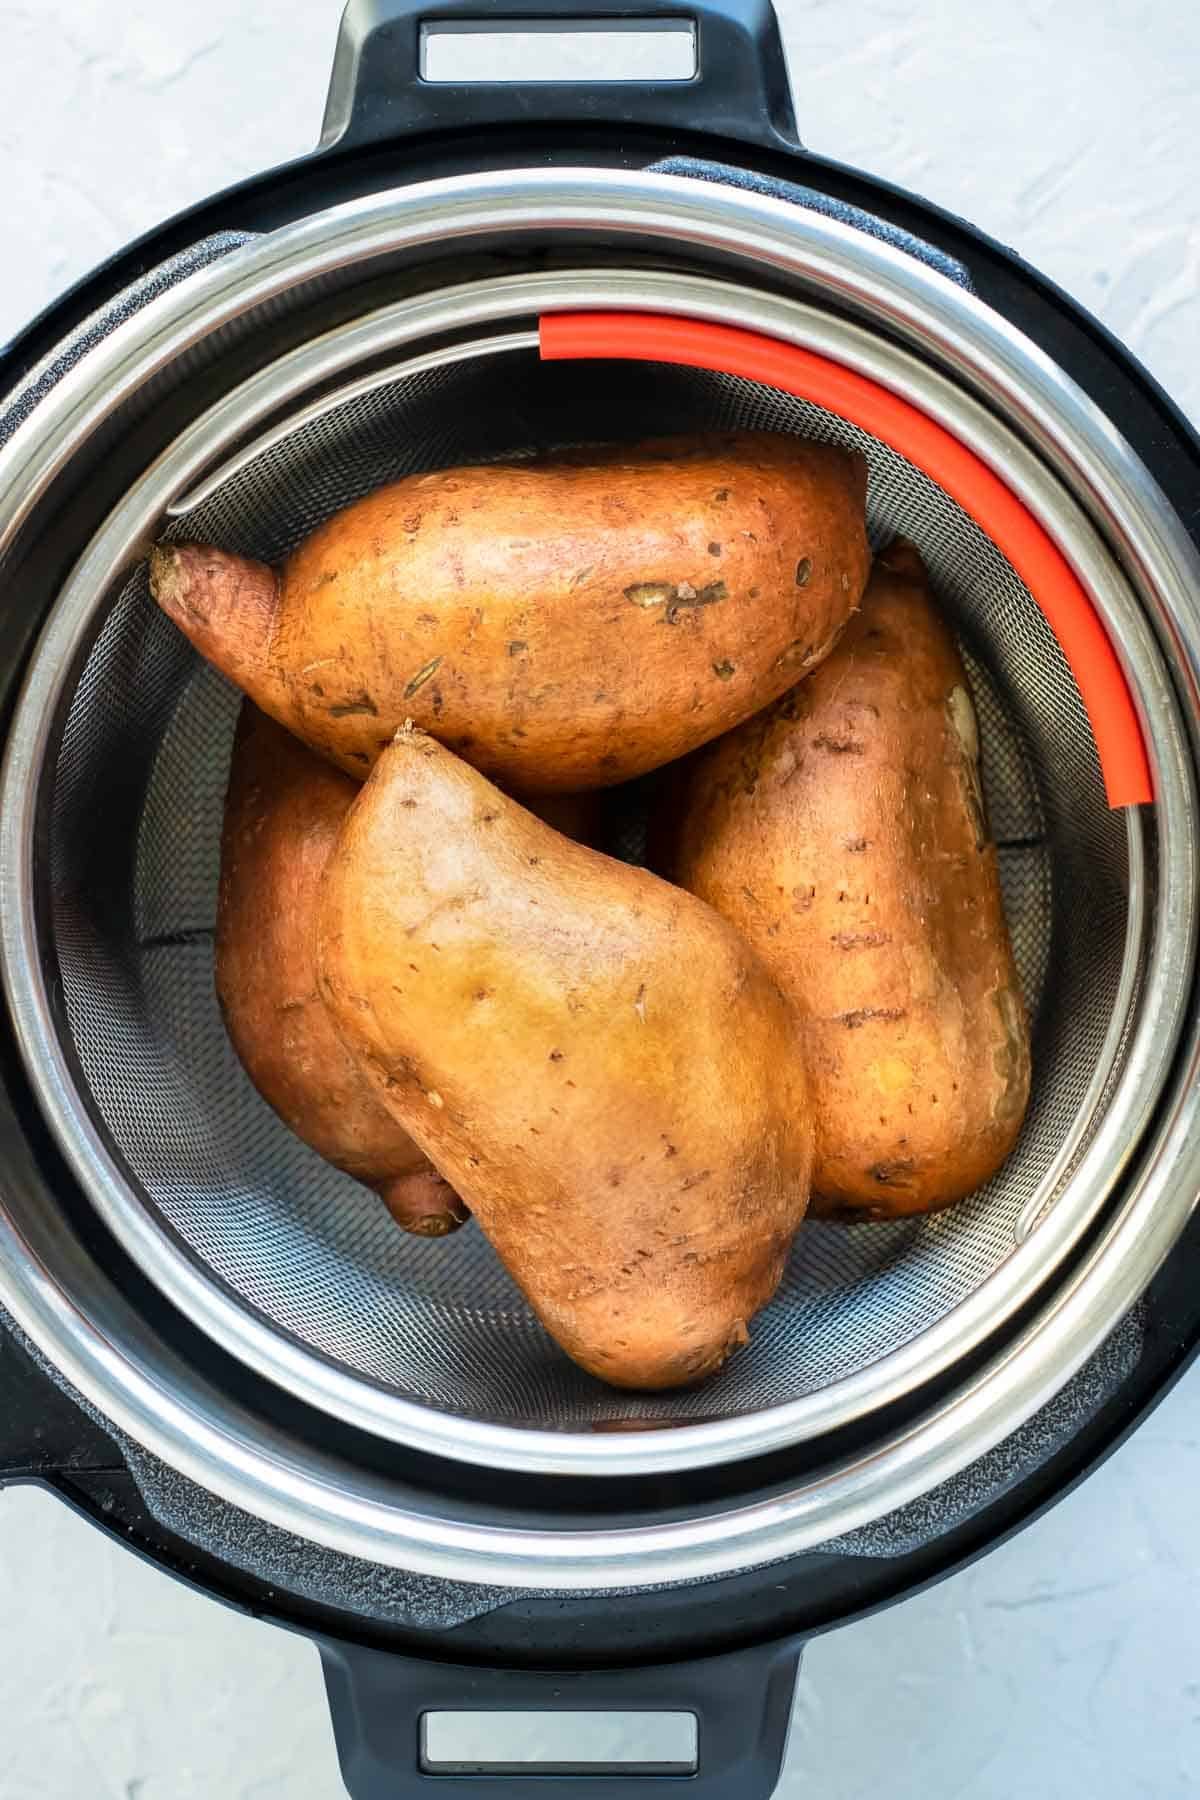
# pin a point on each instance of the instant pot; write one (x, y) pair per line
(219, 1348)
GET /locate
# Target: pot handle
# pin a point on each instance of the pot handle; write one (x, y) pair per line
(381, 1704)
(380, 91)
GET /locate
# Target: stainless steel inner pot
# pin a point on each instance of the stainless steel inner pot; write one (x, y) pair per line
(111, 815)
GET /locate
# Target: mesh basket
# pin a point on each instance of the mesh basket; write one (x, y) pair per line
(134, 830)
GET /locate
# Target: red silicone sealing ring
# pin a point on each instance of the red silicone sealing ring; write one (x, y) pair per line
(661, 337)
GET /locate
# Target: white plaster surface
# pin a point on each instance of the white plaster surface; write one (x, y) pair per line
(1066, 1666)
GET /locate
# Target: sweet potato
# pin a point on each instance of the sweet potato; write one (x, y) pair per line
(284, 810)
(842, 831)
(563, 623)
(594, 1058)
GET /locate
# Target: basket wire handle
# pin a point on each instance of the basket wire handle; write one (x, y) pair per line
(1057, 590)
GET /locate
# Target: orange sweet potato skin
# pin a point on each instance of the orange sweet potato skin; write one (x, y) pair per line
(594, 1058)
(283, 813)
(842, 831)
(563, 623)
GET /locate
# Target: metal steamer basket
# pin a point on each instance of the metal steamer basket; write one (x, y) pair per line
(221, 1346)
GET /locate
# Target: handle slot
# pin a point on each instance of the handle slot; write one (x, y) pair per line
(565, 1743)
(538, 51)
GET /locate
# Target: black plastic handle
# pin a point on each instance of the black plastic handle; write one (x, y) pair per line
(740, 88)
(742, 1703)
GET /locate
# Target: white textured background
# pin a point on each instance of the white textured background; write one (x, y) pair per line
(1067, 1665)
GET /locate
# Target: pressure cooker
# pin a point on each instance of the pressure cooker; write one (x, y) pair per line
(216, 1346)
